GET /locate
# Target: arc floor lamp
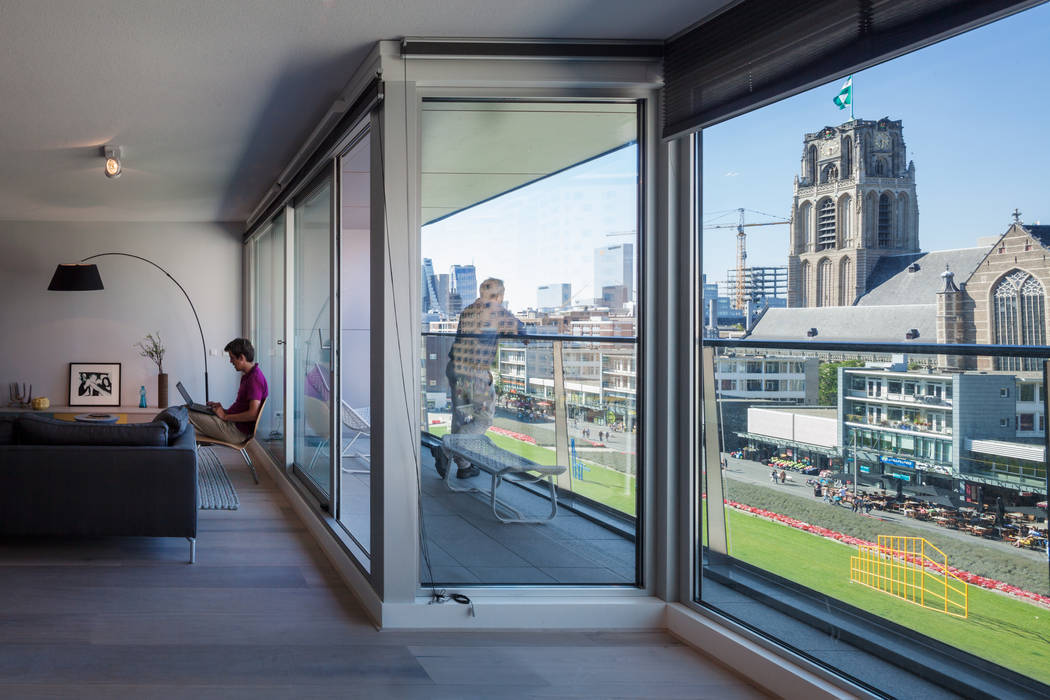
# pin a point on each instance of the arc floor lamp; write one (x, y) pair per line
(80, 277)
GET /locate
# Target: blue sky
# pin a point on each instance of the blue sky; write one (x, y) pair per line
(544, 233)
(974, 110)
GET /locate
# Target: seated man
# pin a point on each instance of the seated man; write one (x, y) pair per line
(235, 423)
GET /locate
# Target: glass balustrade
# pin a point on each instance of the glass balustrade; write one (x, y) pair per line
(564, 413)
(926, 516)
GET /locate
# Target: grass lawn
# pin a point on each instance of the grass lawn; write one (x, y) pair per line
(1001, 563)
(1008, 631)
(601, 484)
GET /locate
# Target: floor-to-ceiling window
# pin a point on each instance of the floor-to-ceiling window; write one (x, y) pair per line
(268, 325)
(312, 369)
(530, 318)
(883, 498)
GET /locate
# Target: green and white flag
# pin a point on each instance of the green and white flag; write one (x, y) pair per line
(845, 96)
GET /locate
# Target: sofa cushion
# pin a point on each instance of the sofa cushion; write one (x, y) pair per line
(7, 428)
(177, 418)
(38, 430)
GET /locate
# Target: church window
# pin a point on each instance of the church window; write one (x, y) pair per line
(1019, 314)
(880, 167)
(811, 164)
(847, 157)
(806, 274)
(805, 226)
(845, 282)
(845, 221)
(825, 224)
(829, 174)
(885, 221)
(870, 219)
(824, 297)
(902, 220)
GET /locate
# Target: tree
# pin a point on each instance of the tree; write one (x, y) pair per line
(829, 380)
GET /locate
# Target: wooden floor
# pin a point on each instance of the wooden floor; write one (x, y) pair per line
(263, 615)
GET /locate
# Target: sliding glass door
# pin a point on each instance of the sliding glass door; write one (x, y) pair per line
(268, 331)
(355, 337)
(313, 337)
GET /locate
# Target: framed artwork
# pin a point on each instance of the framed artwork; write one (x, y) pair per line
(94, 383)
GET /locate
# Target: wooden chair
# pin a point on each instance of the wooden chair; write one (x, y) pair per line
(242, 446)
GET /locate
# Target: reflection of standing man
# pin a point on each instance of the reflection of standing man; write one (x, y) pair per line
(471, 356)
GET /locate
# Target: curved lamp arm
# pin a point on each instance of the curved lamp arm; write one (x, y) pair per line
(204, 347)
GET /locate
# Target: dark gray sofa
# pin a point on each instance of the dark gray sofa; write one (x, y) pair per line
(65, 478)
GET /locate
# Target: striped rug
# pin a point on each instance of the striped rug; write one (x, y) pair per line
(215, 492)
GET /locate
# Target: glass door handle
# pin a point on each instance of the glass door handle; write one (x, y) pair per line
(280, 342)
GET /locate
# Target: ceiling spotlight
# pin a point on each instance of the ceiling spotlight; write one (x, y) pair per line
(113, 165)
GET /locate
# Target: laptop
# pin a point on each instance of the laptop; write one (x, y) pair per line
(199, 408)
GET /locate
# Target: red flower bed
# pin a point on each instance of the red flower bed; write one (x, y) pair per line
(973, 579)
(512, 434)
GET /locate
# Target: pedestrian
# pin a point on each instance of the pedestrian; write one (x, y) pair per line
(773, 476)
(783, 476)
(842, 494)
(827, 494)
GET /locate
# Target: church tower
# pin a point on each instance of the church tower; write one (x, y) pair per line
(854, 203)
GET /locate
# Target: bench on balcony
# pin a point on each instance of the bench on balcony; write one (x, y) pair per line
(502, 465)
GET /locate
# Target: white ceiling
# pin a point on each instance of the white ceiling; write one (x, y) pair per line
(210, 99)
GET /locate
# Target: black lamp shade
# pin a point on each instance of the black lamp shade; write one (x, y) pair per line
(75, 278)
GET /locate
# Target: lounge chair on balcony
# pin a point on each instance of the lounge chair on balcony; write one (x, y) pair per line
(317, 418)
(359, 421)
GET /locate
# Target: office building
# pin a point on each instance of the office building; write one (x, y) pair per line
(550, 297)
(614, 267)
(464, 284)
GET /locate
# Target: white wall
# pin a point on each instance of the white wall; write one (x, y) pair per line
(41, 332)
(800, 427)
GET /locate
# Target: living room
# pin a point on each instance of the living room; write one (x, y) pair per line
(204, 105)
(303, 174)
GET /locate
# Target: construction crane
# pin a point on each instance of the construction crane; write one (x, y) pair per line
(741, 251)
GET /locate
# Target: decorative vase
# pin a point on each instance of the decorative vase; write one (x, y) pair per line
(162, 391)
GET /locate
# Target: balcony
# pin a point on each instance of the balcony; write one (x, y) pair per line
(897, 426)
(558, 421)
(904, 399)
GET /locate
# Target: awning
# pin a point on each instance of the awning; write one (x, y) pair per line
(783, 442)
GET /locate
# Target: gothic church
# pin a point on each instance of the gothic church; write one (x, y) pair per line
(856, 274)
(854, 203)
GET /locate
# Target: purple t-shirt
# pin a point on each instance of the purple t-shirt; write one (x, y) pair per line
(253, 388)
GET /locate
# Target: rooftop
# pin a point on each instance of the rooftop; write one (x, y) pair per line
(890, 281)
(874, 324)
